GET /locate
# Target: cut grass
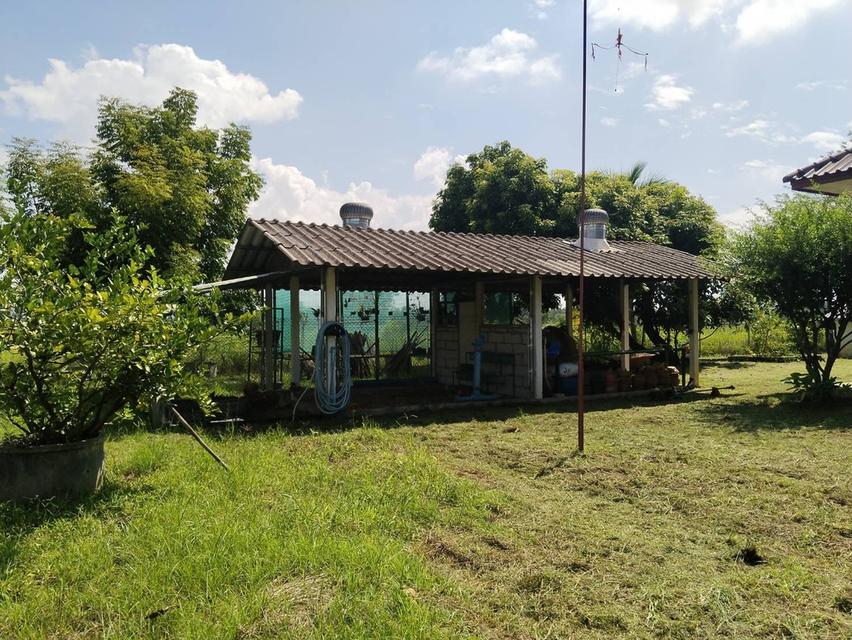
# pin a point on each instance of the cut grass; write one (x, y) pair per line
(727, 517)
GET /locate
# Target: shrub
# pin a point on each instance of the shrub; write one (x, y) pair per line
(87, 333)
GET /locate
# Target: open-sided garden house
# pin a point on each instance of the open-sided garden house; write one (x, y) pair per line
(439, 290)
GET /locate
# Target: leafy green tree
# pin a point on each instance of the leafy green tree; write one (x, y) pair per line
(503, 190)
(798, 256)
(81, 342)
(500, 190)
(184, 189)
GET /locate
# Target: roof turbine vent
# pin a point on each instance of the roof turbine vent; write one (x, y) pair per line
(594, 236)
(356, 214)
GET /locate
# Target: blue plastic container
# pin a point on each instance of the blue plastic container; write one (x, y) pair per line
(568, 385)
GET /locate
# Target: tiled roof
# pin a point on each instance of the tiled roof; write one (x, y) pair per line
(312, 244)
(835, 166)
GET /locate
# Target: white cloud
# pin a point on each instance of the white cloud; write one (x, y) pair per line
(509, 54)
(730, 107)
(825, 141)
(540, 7)
(288, 194)
(822, 84)
(754, 21)
(667, 95)
(433, 165)
(760, 129)
(755, 129)
(657, 15)
(767, 169)
(608, 121)
(761, 20)
(737, 218)
(663, 122)
(68, 95)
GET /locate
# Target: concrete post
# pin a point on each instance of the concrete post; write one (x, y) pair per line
(329, 294)
(537, 355)
(624, 293)
(478, 302)
(434, 303)
(267, 374)
(329, 313)
(569, 310)
(694, 335)
(295, 338)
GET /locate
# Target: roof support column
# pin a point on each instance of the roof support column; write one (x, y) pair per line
(267, 360)
(433, 330)
(479, 302)
(329, 294)
(537, 354)
(569, 310)
(295, 338)
(694, 335)
(624, 294)
(329, 314)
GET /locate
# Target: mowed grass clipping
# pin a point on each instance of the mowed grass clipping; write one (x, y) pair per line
(701, 518)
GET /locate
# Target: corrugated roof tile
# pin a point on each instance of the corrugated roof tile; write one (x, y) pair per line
(313, 244)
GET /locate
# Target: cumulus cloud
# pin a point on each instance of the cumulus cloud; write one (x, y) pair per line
(767, 169)
(433, 163)
(839, 85)
(825, 141)
(68, 95)
(762, 130)
(288, 194)
(737, 218)
(754, 21)
(667, 95)
(656, 14)
(540, 7)
(609, 121)
(509, 54)
(761, 20)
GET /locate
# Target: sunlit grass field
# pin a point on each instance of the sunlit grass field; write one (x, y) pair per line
(696, 518)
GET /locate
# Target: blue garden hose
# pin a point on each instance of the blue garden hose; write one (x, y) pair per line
(332, 374)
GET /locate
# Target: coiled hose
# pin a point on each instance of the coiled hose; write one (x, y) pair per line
(333, 393)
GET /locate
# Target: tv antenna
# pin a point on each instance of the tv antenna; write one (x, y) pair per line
(620, 48)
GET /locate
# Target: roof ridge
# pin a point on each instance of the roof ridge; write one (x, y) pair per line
(832, 157)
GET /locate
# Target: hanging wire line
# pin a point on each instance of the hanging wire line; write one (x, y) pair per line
(620, 47)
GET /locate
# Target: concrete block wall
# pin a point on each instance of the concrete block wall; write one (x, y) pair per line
(514, 340)
(446, 354)
(498, 339)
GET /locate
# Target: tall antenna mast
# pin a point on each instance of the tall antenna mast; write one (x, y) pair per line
(619, 46)
(581, 367)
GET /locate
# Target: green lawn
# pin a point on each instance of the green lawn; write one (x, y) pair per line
(442, 526)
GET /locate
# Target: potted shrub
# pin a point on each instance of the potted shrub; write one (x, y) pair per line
(86, 332)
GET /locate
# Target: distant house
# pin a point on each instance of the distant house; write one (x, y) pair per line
(831, 176)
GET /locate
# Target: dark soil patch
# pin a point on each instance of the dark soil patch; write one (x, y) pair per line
(436, 547)
(750, 556)
(495, 543)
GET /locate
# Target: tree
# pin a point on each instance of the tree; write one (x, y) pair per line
(184, 189)
(81, 342)
(798, 255)
(504, 190)
(500, 190)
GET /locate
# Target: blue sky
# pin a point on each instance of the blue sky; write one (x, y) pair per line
(373, 100)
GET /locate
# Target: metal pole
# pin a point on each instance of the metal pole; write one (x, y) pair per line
(581, 368)
(376, 341)
(408, 329)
